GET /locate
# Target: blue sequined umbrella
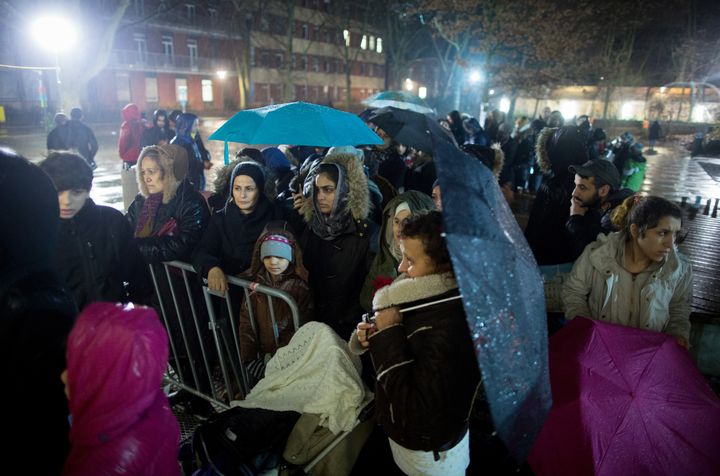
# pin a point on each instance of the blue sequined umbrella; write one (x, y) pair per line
(502, 294)
(296, 123)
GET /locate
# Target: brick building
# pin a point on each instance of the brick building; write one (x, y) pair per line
(207, 51)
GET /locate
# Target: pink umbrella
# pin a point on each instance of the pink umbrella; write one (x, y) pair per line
(626, 402)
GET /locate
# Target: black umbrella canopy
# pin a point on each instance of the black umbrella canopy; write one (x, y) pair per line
(502, 295)
(411, 128)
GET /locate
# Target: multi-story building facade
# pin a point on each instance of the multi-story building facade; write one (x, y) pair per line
(215, 56)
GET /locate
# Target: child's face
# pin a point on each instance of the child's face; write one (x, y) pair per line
(275, 266)
(72, 201)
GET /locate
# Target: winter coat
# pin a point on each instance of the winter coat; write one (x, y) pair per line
(421, 177)
(82, 139)
(59, 138)
(600, 288)
(130, 134)
(338, 266)
(157, 135)
(95, 254)
(180, 202)
(196, 152)
(229, 239)
(392, 167)
(584, 229)
(36, 315)
(557, 149)
(654, 131)
(385, 264)
(427, 374)
(293, 281)
(122, 423)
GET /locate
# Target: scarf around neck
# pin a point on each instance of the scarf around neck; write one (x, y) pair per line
(146, 220)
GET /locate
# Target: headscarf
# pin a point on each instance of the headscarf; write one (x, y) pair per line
(252, 170)
(329, 227)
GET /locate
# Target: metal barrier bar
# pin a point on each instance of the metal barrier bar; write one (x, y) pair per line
(165, 320)
(182, 327)
(228, 349)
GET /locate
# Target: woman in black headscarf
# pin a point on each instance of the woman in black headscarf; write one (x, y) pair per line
(227, 244)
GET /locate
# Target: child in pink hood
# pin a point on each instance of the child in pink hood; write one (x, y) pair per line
(121, 419)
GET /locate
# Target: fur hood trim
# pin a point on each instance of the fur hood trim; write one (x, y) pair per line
(543, 159)
(406, 290)
(358, 195)
(499, 159)
(173, 161)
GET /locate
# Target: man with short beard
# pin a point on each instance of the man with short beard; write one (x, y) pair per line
(597, 192)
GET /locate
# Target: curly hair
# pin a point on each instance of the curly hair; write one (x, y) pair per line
(644, 212)
(428, 228)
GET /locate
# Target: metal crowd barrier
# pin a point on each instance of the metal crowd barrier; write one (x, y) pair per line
(233, 372)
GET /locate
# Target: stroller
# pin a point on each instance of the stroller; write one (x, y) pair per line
(311, 413)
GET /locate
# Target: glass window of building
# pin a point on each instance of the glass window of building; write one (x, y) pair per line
(140, 47)
(207, 90)
(168, 49)
(379, 46)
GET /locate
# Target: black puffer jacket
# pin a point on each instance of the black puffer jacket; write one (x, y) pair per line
(427, 374)
(95, 254)
(191, 213)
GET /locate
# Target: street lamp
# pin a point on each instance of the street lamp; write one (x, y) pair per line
(475, 76)
(409, 86)
(55, 34)
(222, 74)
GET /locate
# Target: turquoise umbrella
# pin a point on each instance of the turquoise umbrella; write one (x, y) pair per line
(295, 123)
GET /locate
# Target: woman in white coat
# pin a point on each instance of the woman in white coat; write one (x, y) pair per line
(635, 277)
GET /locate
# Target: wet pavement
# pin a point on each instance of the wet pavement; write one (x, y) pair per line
(30, 142)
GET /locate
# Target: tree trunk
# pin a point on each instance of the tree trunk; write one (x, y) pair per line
(537, 104)
(606, 103)
(680, 106)
(348, 86)
(692, 101)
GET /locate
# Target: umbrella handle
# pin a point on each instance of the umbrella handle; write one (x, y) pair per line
(227, 158)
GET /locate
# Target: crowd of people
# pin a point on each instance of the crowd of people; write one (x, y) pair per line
(345, 231)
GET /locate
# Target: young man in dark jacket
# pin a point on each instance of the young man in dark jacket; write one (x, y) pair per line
(159, 133)
(597, 192)
(95, 254)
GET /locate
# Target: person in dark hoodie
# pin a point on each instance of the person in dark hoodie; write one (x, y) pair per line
(95, 254)
(159, 133)
(227, 244)
(58, 138)
(185, 136)
(37, 315)
(335, 243)
(557, 149)
(82, 138)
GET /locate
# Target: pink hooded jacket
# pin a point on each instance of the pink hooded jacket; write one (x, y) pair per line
(121, 419)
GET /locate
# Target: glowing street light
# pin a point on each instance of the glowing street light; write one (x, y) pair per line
(409, 85)
(222, 74)
(55, 34)
(475, 76)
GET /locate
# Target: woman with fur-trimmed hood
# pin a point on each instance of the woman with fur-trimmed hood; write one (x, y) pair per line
(168, 215)
(277, 263)
(557, 149)
(336, 240)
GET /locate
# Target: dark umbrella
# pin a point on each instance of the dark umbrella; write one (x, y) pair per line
(410, 128)
(502, 296)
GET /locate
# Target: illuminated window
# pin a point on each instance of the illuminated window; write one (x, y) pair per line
(379, 45)
(363, 42)
(207, 90)
(346, 36)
